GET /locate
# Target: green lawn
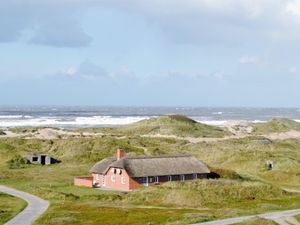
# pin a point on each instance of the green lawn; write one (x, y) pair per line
(9, 207)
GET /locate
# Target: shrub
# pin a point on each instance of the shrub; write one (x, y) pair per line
(17, 162)
(224, 173)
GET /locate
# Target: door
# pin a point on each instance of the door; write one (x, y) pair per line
(145, 181)
(43, 159)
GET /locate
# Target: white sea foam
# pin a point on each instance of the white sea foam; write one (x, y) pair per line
(76, 122)
(213, 122)
(259, 121)
(88, 121)
(13, 116)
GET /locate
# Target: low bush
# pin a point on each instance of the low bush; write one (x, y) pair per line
(17, 162)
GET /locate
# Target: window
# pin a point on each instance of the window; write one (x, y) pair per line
(156, 180)
(123, 180)
(113, 178)
(169, 178)
(150, 179)
(35, 159)
(103, 181)
(182, 177)
(115, 171)
(97, 176)
(195, 177)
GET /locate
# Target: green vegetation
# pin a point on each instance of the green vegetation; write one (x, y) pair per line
(9, 207)
(246, 185)
(257, 221)
(297, 217)
(2, 132)
(17, 162)
(172, 125)
(249, 159)
(166, 125)
(275, 125)
(20, 130)
(208, 193)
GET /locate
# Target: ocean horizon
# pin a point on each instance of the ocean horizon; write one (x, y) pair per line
(107, 116)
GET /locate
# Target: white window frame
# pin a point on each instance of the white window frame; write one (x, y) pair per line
(123, 180)
(195, 176)
(113, 178)
(156, 180)
(97, 176)
(169, 178)
(182, 177)
(103, 180)
(146, 181)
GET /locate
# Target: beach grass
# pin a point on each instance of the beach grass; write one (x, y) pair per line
(165, 125)
(275, 125)
(246, 185)
(9, 207)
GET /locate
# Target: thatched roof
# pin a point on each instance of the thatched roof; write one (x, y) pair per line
(101, 166)
(143, 166)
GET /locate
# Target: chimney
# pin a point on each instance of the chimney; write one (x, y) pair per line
(120, 153)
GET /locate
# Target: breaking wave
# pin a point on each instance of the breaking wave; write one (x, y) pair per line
(94, 121)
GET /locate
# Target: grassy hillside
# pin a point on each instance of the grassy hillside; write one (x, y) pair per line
(171, 125)
(249, 158)
(234, 195)
(275, 125)
(298, 218)
(206, 193)
(9, 207)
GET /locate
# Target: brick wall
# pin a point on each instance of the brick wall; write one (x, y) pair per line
(83, 181)
(117, 179)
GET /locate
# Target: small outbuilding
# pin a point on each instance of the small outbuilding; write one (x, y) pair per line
(265, 141)
(42, 159)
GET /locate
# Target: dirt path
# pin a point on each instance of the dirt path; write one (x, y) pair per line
(50, 133)
(279, 217)
(272, 136)
(36, 207)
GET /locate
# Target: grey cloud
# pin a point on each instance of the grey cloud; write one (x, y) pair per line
(214, 21)
(57, 22)
(247, 59)
(54, 23)
(86, 70)
(91, 70)
(61, 34)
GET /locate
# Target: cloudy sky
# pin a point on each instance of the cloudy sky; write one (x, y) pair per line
(150, 52)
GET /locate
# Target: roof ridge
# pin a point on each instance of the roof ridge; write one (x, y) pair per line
(155, 157)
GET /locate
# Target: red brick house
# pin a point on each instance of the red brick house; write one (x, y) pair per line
(128, 173)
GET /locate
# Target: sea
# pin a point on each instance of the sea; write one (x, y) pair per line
(92, 116)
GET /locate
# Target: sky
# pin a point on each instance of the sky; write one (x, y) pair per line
(150, 52)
